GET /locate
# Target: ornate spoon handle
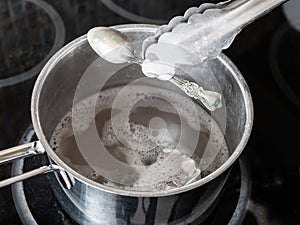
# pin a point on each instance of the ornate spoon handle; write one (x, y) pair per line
(210, 99)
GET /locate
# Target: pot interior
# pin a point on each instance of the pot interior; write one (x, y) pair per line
(58, 84)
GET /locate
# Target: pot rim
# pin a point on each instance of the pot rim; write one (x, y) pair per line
(138, 27)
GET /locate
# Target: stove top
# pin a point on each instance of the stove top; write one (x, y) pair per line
(263, 187)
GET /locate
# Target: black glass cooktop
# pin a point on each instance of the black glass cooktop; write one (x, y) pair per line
(263, 187)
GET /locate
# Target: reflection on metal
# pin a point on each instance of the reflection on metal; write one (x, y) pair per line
(28, 219)
(58, 43)
(129, 15)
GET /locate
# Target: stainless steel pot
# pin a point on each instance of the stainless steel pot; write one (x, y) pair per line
(95, 203)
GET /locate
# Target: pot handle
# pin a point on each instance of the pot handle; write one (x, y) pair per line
(21, 151)
(26, 150)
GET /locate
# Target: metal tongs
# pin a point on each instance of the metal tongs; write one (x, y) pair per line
(236, 13)
(203, 32)
(186, 41)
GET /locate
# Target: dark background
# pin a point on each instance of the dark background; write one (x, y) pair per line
(266, 52)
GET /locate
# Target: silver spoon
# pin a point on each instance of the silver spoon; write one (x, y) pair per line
(115, 47)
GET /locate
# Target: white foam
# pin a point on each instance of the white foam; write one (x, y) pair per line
(165, 163)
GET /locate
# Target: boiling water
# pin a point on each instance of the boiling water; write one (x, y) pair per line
(162, 140)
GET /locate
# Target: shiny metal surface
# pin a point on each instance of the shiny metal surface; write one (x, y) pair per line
(210, 99)
(201, 33)
(51, 85)
(115, 47)
(99, 204)
(244, 12)
(20, 151)
(87, 205)
(68, 183)
(27, 150)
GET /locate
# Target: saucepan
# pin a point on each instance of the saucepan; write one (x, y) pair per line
(90, 202)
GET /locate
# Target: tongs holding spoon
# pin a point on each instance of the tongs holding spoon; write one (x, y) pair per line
(203, 32)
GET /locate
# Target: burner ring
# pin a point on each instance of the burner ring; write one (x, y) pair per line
(245, 193)
(58, 43)
(17, 189)
(129, 15)
(276, 71)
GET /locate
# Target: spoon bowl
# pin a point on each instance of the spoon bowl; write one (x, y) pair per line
(110, 44)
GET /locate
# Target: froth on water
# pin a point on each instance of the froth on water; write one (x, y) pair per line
(159, 141)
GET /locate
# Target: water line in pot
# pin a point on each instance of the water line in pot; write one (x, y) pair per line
(28, 217)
